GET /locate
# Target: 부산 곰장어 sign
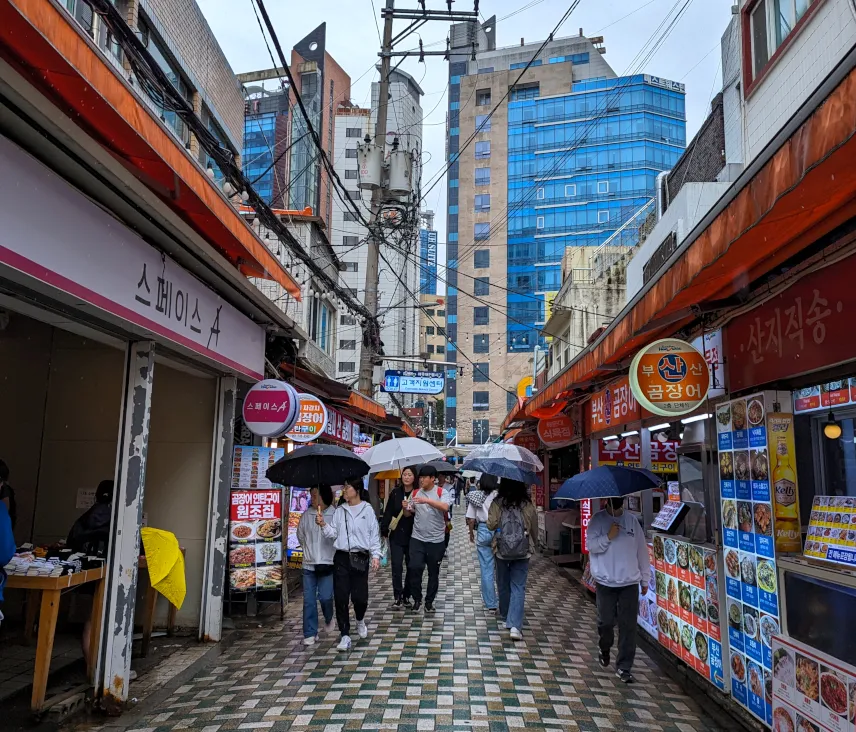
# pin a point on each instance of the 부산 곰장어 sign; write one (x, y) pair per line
(669, 377)
(311, 419)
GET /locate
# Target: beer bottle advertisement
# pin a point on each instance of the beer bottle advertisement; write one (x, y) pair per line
(780, 428)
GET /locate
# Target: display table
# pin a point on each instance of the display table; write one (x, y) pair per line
(51, 588)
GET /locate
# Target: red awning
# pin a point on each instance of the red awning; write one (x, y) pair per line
(44, 44)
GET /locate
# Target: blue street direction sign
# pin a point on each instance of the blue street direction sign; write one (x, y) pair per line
(414, 382)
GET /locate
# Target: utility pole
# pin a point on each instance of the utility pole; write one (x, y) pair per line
(418, 18)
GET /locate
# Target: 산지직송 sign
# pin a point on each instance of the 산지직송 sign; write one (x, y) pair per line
(669, 377)
(311, 419)
(414, 382)
(270, 408)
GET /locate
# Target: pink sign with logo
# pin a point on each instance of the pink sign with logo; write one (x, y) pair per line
(270, 408)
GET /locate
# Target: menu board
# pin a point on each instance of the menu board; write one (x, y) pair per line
(669, 516)
(825, 396)
(686, 582)
(648, 601)
(255, 522)
(748, 535)
(832, 530)
(810, 691)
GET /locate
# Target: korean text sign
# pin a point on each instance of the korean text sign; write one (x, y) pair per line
(613, 406)
(670, 377)
(311, 419)
(556, 431)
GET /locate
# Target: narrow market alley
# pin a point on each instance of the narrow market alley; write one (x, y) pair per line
(456, 670)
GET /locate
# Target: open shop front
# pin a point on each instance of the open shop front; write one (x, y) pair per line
(118, 365)
(799, 343)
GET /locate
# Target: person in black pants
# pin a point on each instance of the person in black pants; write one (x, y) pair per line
(428, 542)
(399, 537)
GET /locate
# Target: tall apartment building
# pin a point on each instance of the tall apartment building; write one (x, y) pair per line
(399, 270)
(267, 132)
(566, 159)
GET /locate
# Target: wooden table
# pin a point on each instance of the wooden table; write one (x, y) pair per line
(149, 611)
(48, 609)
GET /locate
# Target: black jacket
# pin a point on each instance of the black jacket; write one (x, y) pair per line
(91, 532)
(402, 533)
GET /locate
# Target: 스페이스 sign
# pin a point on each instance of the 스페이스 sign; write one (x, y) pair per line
(669, 377)
(270, 408)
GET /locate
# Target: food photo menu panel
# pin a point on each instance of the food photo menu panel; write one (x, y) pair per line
(811, 692)
(255, 522)
(686, 585)
(832, 530)
(752, 601)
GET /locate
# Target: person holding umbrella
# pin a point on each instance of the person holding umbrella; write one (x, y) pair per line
(428, 542)
(478, 506)
(356, 535)
(318, 553)
(618, 553)
(397, 528)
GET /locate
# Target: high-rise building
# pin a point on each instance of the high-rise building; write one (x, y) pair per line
(570, 154)
(266, 136)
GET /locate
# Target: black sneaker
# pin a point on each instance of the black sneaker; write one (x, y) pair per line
(416, 605)
(398, 604)
(603, 660)
(408, 605)
(626, 677)
(429, 608)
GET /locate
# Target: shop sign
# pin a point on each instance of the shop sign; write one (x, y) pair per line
(688, 620)
(106, 265)
(711, 346)
(804, 328)
(341, 429)
(527, 440)
(664, 456)
(556, 431)
(585, 520)
(311, 419)
(414, 382)
(300, 500)
(825, 396)
(674, 489)
(669, 378)
(749, 535)
(614, 406)
(811, 691)
(362, 443)
(524, 387)
(270, 408)
(832, 530)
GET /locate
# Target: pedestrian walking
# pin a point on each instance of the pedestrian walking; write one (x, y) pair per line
(449, 487)
(478, 506)
(428, 542)
(512, 515)
(618, 554)
(356, 535)
(318, 553)
(397, 528)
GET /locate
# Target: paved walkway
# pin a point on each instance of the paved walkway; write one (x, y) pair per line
(454, 671)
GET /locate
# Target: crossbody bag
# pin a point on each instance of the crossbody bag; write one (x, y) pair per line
(359, 559)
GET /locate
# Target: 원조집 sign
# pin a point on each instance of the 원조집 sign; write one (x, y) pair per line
(414, 382)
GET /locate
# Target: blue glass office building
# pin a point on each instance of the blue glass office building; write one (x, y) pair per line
(265, 141)
(427, 262)
(579, 166)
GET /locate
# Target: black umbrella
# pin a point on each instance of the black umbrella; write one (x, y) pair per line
(313, 465)
(442, 467)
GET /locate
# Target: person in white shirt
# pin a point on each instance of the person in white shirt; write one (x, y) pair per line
(618, 552)
(478, 506)
(356, 536)
(428, 540)
(317, 564)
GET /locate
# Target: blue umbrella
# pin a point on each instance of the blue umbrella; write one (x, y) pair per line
(502, 468)
(607, 481)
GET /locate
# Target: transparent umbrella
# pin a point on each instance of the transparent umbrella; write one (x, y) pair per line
(396, 454)
(505, 461)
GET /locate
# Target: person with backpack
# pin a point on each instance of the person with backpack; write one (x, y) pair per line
(397, 528)
(428, 542)
(478, 506)
(513, 517)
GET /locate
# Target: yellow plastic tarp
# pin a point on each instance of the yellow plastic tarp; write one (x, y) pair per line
(166, 564)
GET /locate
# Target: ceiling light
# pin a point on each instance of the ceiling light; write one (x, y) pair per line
(697, 418)
(656, 427)
(629, 434)
(832, 429)
(611, 437)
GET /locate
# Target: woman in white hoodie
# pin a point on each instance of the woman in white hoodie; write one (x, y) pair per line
(317, 564)
(356, 534)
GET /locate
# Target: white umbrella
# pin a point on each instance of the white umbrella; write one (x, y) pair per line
(396, 454)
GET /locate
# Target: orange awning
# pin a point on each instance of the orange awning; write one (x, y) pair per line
(806, 189)
(44, 45)
(370, 407)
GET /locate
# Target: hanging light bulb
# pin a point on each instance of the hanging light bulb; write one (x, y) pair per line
(210, 172)
(832, 429)
(245, 196)
(228, 188)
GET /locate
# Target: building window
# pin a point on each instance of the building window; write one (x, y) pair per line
(350, 266)
(603, 217)
(482, 202)
(603, 186)
(482, 149)
(481, 316)
(347, 367)
(481, 401)
(441, 349)
(482, 176)
(486, 70)
(481, 286)
(482, 123)
(347, 345)
(539, 222)
(430, 349)
(353, 132)
(350, 241)
(350, 216)
(481, 343)
(441, 313)
(347, 320)
(429, 330)
(352, 174)
(351, 152)
(570, 190)
(510, 400)
(518, 94)
(483, 96)
(354, 195)
(441, 331)
(482, 231)
(352, 291)
(540, 194)
(481, 431)
(429, 311)
(772, 23)
(481, 372)
(481, 259)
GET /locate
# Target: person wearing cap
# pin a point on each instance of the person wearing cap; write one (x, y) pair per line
(428, 540)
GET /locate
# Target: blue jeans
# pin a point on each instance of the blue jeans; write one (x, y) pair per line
(511, 579)
(316, 588)
(484, 538)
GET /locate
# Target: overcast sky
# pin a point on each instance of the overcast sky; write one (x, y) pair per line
(690, 54)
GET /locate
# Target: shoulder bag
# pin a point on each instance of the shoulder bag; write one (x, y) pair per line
(393, 525)
(359, 559)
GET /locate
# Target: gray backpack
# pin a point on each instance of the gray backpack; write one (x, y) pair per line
(512, 541)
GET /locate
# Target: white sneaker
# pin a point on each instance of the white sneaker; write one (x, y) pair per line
(344, 644)
(330, 627)
(516, 634)
(310, 641)
(362, 630)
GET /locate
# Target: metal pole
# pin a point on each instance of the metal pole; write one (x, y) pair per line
(373, 253)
